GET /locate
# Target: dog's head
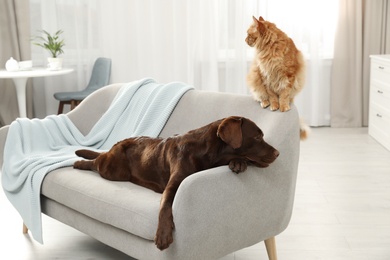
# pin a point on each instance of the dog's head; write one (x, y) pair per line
(246, 138)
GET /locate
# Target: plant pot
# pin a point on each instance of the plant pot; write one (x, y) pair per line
(54, 63)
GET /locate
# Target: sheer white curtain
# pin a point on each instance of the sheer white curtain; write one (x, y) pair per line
(14, 41)
(198, 42)
(363, 30)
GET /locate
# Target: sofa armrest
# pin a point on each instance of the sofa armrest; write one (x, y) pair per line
(221, 211)
(3, 137)
(85, 115)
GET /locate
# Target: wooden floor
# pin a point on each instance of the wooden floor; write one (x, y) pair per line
(341, 210)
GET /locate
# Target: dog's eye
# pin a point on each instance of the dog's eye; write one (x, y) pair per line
(259, 137)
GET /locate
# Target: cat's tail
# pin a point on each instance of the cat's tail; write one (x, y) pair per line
(304, 130)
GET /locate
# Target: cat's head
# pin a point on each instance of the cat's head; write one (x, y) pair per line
(261, 31)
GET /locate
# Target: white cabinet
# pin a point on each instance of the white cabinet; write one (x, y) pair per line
(379, 117)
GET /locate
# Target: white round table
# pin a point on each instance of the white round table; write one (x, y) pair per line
(20, 80)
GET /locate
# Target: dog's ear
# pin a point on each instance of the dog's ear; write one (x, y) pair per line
(229, 130)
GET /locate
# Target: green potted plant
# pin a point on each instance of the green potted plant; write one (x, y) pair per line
(54, 44)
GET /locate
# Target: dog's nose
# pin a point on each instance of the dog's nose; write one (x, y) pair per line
(276, 153)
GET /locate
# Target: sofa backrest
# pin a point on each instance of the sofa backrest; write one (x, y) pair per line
(198, 108)
(195, 109)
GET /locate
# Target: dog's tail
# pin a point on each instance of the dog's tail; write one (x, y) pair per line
(87, 154)
(304, 130)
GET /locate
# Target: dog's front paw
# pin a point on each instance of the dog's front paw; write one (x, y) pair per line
(163, 237)
(237, 166)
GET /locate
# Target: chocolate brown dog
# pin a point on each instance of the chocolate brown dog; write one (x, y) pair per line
(162, 164)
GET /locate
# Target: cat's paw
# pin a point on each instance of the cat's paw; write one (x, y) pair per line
(264, 103)
(274, 106)
(284, 108)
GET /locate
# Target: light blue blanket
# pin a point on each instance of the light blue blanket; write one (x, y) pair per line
(35, 147)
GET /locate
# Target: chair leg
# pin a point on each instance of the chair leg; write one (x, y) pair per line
(60, 107)
(25, 229)
(270, 245)
(73, 104)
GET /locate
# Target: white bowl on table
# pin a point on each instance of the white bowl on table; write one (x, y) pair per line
(25, 65)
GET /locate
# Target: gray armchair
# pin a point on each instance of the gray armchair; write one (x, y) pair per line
(100, 77)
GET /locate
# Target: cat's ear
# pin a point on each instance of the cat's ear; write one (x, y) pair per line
(261, 27)
(254, 19)
(261, 19)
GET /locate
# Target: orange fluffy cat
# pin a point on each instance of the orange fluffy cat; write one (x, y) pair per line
(277, 73)
(278, 69)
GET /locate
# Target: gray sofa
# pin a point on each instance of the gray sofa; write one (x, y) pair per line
(216, 212)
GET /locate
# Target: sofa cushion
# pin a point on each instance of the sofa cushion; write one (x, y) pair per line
(121, 204)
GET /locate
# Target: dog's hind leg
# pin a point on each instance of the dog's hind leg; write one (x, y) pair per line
(84, 165)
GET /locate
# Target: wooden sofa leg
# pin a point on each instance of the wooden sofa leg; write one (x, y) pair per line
(270, 245)
(25, 229)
